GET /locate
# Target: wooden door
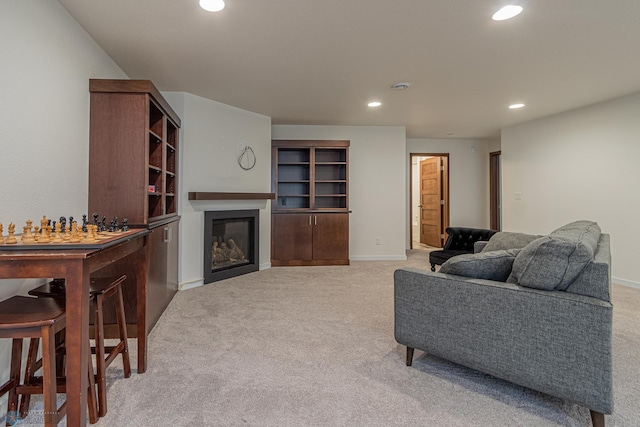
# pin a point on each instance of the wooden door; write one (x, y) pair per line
(292, 238)
(331, 236)
(430, 202)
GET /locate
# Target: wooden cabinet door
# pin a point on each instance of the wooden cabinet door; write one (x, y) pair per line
(331, 236)
(292, 237)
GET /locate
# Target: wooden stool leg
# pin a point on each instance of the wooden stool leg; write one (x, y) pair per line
(100, 362)
(92, 399)
(14, 375)
(49, 378)
(29, 370)
(122, 326)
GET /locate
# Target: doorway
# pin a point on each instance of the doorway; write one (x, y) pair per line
(495, 190)
(429, 189)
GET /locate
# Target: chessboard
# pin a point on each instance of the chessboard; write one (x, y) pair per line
(62, 236)
(105, 239)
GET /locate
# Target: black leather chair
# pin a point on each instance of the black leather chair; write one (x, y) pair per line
(459, 242)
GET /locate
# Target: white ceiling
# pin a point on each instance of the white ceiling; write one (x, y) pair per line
(321, 61)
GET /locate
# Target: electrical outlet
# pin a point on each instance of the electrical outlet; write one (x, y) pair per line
(378, 240)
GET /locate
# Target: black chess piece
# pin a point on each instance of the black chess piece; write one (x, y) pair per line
(125, 224)
(70, 223)
(103, 224)
(84, 223)
(95, 219)
(116, 226)
(63, 223)
(112, 226)
(53, 225)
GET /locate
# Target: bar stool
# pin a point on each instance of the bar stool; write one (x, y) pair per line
(38, 319)
(100, 290)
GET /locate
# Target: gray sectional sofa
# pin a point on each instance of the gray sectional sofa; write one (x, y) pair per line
(532, 310)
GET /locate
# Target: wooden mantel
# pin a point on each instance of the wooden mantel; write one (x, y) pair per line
(197, 195)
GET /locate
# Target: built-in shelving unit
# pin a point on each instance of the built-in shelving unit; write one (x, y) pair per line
(133, 174)
(310, 222)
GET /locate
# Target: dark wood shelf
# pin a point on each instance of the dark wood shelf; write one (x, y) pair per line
(196, 195)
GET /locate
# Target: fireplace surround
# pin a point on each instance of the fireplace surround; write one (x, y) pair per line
(230, 243)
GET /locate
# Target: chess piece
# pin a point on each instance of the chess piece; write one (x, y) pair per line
(11, 239)
(92, 235)
(44, 230)
(1, 236)
(95, 219)
(84, 223)
(27, 236)
(36, 233)
(75, 234)
(67, 234)
(57, 238)
(125, 224)
(103, 224)
(63, 222)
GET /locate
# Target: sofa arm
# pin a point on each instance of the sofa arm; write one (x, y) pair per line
(463, 238)
(551, 341)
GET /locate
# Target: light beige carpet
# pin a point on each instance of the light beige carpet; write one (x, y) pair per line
(314, 346)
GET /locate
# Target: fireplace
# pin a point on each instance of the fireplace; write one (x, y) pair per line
(230, 243)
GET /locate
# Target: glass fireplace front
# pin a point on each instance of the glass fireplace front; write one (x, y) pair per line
(230, 244)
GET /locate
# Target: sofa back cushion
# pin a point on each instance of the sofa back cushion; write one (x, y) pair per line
(494, 265)
(554, 261)
(508, 240)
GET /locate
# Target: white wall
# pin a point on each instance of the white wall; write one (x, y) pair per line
(582, 164)
(47, 60)
(211, 136)
(377, 175)
(468, 178)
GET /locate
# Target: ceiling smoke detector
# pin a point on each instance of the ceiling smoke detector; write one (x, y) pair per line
(400, 86)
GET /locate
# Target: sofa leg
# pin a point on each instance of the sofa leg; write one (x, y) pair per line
(433, 267)
(410, 357)
(597, 419)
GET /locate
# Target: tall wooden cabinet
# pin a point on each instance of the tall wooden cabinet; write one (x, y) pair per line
(133, 174)
(310, 214)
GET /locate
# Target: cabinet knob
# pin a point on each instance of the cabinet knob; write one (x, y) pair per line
(167, 234)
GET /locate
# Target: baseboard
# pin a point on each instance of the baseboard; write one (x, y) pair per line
(378, 258)
(624, 282)
(264, 266)
(190, 285)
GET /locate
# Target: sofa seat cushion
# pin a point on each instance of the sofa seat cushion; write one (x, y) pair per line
(493, 265)
(554, 261)
(509, 240)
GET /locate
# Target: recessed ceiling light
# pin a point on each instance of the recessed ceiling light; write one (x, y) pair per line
(516, 106)
(400, 86)
(374, 104)
(212, 5)
(507, 12)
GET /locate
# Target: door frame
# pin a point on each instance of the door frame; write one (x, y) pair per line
(445, 191)
(495, 194)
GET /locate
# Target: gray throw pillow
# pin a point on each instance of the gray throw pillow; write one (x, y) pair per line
(494, 265)
(508, 240)
(554, 261)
